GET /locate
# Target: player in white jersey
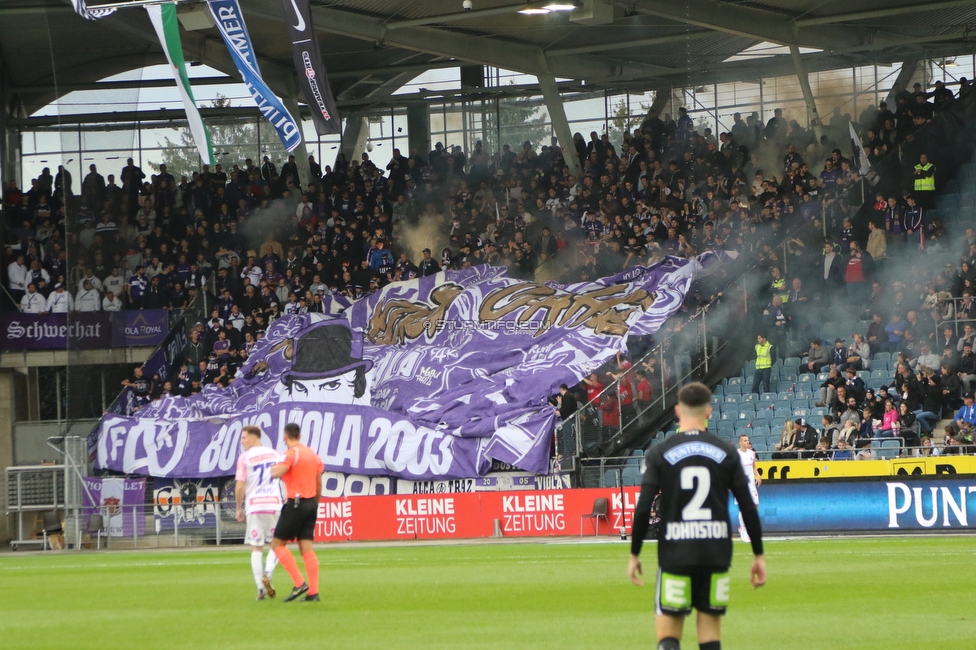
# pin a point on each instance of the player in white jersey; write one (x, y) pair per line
(748, 459)
(259, 498)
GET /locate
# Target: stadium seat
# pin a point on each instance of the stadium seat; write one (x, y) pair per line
(733, 389)
(768, 397)
(800, 413)
(876, 382)
(803, 394)
(864, 374)
(637, 452)
(791, 362)
(718, 390)
(889, 449)
(783, 413)
(805, 378)
(788, 377)
(819, 411)
(732, 399)
(758, 445)
(784, 404)
(730, 413)
(801, 403)
(749, 397)
(734, 381)
(822, 376)
(784, 387)
(726, 426)
(760, 431)
(632, 476)
(777, 423)
(878, 374)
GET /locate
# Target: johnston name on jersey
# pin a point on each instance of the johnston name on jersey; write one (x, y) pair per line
(694, 472)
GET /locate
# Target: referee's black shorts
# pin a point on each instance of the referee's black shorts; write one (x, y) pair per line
(297, 522)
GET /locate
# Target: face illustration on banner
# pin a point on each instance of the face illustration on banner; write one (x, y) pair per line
(328, 367)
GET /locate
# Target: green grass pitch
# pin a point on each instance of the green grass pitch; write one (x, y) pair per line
(912, 592)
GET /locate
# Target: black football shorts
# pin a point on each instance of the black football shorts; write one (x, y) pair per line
(297, 522)
(705, 589)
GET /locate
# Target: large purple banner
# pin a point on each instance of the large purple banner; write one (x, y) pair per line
(426, 379)
(83, 330)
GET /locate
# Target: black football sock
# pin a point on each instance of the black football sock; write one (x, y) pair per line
(711, 645)
(669, 643)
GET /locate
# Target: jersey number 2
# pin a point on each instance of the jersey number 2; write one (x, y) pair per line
(698, 479)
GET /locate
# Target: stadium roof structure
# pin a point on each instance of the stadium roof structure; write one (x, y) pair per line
(372, 47)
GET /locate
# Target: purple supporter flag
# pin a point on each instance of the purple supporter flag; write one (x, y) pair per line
(430, 378)
(114, 498)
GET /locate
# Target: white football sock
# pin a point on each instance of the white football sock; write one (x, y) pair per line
(271, 563)
(256, 568)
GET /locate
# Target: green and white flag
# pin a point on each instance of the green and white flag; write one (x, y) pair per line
(167, 28)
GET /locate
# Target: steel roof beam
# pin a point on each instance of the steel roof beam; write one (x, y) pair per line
(899, 10)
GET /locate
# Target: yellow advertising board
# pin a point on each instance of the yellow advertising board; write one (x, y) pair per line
(813, 469)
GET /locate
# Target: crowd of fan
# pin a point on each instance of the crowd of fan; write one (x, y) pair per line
(270, 242)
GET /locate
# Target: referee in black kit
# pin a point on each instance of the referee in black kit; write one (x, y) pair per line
(694, 471)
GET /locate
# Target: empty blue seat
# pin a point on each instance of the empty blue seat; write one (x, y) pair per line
(733, 389)
(881, 356)
(822, 376)
(790, 377)
(637, 452)
(803, 394)
(732, 399)
(784, 387)
(760, 431)
(864, 374)
(750, 397)
(632, 476)
(800, 413)
(758, 445)
(767, 397)
(801, 403)
(777, 424)
(747, 410)
(819, 410)
(784, 404)
(876, 382)
(730, 413)
(806, 377)
(780, 413)
(610, 478)
(726, 426)
(718, 390)
(733, 381)
(879, 374)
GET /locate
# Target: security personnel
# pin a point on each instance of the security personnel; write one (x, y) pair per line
(778, 284)
(764, 362)
(925, 182)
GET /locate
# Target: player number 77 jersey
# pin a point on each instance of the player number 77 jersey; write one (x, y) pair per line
(262, 493)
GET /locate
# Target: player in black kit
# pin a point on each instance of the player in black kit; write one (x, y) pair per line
(694, 472)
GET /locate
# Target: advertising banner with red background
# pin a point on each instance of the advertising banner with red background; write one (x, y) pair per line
(466, 515)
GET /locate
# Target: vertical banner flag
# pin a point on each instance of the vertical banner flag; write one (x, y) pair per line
(119, 501)
(860, 156)
(230, 22)
(168, 30)
(311, 72)
(81, 8)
